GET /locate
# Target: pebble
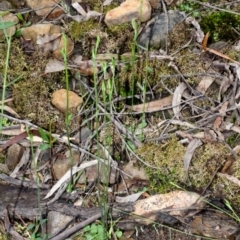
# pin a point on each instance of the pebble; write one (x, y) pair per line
(128, 10)
(47, 8)
(59, 99)
(61, 166)
(9, 17)
(56, 221)
(156, 4)
(155, 32)
(14, 155)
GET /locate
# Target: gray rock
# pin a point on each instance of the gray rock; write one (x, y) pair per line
(155, 32)
(56, 221)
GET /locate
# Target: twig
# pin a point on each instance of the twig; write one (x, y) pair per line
(76, 228)
(213, 7)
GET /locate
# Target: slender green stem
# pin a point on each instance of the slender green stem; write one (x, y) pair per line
(68, 115)
(8, 39)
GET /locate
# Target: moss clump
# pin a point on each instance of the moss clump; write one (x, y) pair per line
(79, 30)
(224, 188)
(205, 162)
(32, 100)
(168, 158)
(221, 26)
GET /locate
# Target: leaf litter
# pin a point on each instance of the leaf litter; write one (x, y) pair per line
(183, 131)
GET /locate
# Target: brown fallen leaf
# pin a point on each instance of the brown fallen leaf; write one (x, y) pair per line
(221, 55)
(195, 143)
(204, 84)
(175, 203)
(218, 121)
(177, 96)
(230, 178)
(152, 106)
(205, 41)
(19, 137)
(13, 130)
(11, 111)
(46, 38)
(215, 225)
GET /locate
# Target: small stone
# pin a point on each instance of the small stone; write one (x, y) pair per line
(89, 174)
(61, 166)
(56, 221)
(10, 31)
(156, 4)
(157, 29)
(69, 47)
(46, 8)
(14, 155)
(128, 10)
(35, 30)
(59, 100)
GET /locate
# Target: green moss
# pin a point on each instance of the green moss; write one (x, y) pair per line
(79, 30)
(168, 158)
(221, 26)
(224, 188)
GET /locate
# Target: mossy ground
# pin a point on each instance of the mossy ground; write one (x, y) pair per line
(32, 92)
(206, 161)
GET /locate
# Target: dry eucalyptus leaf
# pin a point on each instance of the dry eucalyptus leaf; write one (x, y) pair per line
(79, 8)
(54, 65)
(107, 2)
(177, 96)
(92, 14)
(68, 175)
(199, 33)
(10, 110)
(46, 38)
(195, 143)
(175, 203)
(204, 84)
(219, 119)
(153, 106)
(13, 130)
(129, 198)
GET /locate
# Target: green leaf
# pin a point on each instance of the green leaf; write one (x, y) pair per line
(42, 221)
(44, 135)
(68, 118)
(20, 17)
(4, 25)
(87, 228)
(119, 233)
(142, 125)
(149, 69)
(131, 146)
(94, 229)
(18, 33)
(31, 226)
(88, 236)
(44, 146)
